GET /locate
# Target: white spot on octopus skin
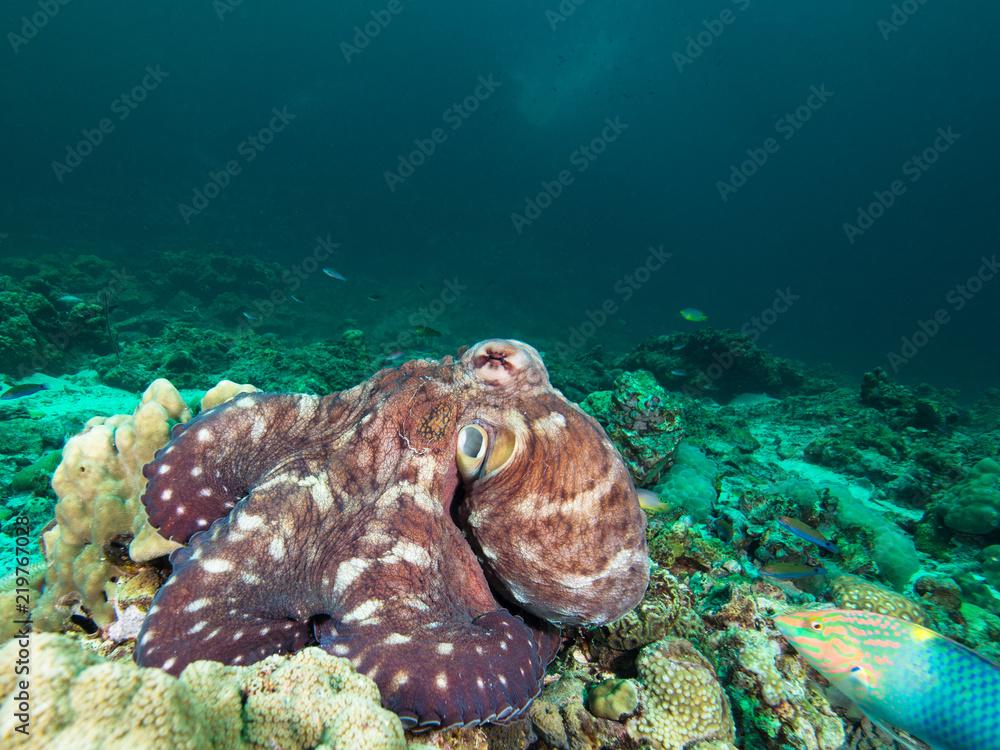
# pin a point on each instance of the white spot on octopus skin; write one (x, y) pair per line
(203, 522)
(212, 635)
(363, 611)
(407, 552)
(398, 680)
(217, 565)
(395, 639)
(503, 680)
(249, 578)
(347, 572)
(205, 491)
(195, 605)
(203, 435)
(249, 522)
(198, 627)
(445, 648)
(441, 681)
(164, 468)
(479, 683)
(247, 402)
(276, 548)
(179, 510)
(196, 471)
(257, 431)
(238, 659)
(166, 494)
(170, 662)
(237, 635)
(341, 649)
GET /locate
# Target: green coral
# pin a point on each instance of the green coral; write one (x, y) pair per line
(972, 506)
(613, 699)
(35, 477)
(642, 420)
(690, 485)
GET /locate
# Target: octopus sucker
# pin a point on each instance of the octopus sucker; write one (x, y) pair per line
(380, 522)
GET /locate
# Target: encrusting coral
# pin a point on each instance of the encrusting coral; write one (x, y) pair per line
(683, 702)
(99, 484)
(852, 592)
(83, 702)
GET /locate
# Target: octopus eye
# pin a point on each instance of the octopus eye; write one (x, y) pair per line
(471, 451)
(478, 454)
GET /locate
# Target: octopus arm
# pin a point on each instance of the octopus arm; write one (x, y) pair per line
(214, 460)
(238, 592)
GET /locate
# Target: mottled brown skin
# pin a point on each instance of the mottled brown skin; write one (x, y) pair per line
(330, 520)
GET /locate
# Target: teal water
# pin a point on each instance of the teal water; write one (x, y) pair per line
(697, 88)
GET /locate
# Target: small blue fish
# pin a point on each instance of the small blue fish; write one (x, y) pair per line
(678, 347)
(297, 300)
(21, 390)
(251, 317)
(784, 571)
(334, 274)
(807, 532)
(69, 300)
(678, 373)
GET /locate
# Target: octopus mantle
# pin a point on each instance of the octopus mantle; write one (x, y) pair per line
(388, 522)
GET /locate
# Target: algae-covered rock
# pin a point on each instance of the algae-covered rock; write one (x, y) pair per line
(642, 420)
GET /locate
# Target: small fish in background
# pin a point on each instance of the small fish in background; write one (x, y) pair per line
(374, 297)
(393, 356)
(334, 274)
(807, 532)
(678, 347)
(650, 501)
(679, 373)
(296, 300)
(21, 390)
(902, 675)
(252, 317)
(426, 331)
(693, 315)
(69, 300)
(785, 571)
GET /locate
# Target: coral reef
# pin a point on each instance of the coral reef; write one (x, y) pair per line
(718, 363)
(972, 506)
(683, 703)
(852, 592)
(99, 515)
(642, 420)
(309, 700)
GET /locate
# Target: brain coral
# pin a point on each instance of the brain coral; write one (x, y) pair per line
(973, 505)
(99, 484)
(851, 592)
(82, 702)
(683, 702)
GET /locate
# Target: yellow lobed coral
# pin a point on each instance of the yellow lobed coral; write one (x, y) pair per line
(683, 702)
(80, 701)
(852, 592)
(99, 484)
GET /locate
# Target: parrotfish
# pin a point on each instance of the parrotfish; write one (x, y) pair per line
(807, 532)
(694, 315)
(903, 675)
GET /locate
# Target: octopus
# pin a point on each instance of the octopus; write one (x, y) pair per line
(436, 525)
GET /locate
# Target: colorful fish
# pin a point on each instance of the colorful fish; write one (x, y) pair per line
(694, 315)
(21, 390)
(903, 675)
(786, 571)
(807, 532)
(650, 501)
